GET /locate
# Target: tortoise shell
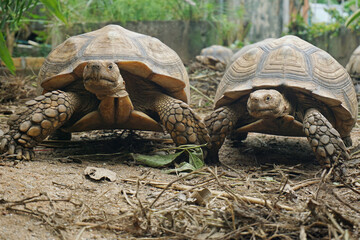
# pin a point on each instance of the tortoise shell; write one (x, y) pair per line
(217, 53)
(291, 63)
(353, 66)
(136, 53)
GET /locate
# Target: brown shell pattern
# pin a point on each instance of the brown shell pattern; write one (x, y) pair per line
(294, 63)
(137, 53)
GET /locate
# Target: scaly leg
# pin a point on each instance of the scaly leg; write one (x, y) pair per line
(324, 139)
(183, 124)
(220, 124)
(44, 115)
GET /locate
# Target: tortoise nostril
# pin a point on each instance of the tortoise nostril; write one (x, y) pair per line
(254, 99)
(95, 66)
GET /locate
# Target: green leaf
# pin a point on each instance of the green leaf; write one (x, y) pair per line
(5, 55)
(196, 157)
(352, 18)
(156, 160)
(54, 8)
(183, 167)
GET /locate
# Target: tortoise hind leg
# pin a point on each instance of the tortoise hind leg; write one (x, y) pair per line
(220, 124)
(43, 116)
(324, 139)
(183, 124)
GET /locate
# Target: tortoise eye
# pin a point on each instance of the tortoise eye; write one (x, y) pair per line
(267, 98)
(110, 67)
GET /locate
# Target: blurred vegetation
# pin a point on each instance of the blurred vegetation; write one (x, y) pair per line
(14, 14)
(82, 11)
(20, 16)
(301, 28)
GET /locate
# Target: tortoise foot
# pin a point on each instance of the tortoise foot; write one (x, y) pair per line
(43, 116)
(324, 139)
(11, 148)
(183, 124)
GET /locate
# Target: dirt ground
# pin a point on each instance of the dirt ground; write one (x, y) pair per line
(267, 187)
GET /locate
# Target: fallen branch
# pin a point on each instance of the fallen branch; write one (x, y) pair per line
(199, 92)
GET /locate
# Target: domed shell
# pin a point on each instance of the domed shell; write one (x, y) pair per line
(291, 62)
(217, 53)
(353, 66)
(136, 53)
(245, 48)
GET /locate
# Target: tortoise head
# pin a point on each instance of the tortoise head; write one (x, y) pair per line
(267, 103)
(103, 78)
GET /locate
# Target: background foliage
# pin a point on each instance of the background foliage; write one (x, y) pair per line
(309, 32)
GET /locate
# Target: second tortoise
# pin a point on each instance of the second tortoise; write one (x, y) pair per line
(287, 87)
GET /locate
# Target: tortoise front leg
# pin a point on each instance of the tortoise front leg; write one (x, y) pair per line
(220, 123)
(324, 139)
(44, 115)
(183, 124)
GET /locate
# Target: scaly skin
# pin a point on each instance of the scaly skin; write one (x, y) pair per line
(182, 123)
(44, 115)
(324, 139)
(219, 124)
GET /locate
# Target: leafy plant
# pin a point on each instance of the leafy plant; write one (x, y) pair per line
(352, 18)
(307, 32)
(194, 153)
(12, 12)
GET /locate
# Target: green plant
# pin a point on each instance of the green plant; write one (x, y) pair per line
(307, 32)
(12, 13)
(160, 10)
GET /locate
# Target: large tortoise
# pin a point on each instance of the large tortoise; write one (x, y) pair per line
(111, 78)
(215, 57)
(288, 87)
(353, 68)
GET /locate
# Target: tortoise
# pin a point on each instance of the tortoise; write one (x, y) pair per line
(215, 57)
(289, 87)
(110, 78)
(241, 51)
(353, 68)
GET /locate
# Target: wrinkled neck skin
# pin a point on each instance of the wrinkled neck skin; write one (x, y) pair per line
(267, 104)
(103, 79)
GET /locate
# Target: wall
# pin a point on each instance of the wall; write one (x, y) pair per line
(266, 18)
(340, 46)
